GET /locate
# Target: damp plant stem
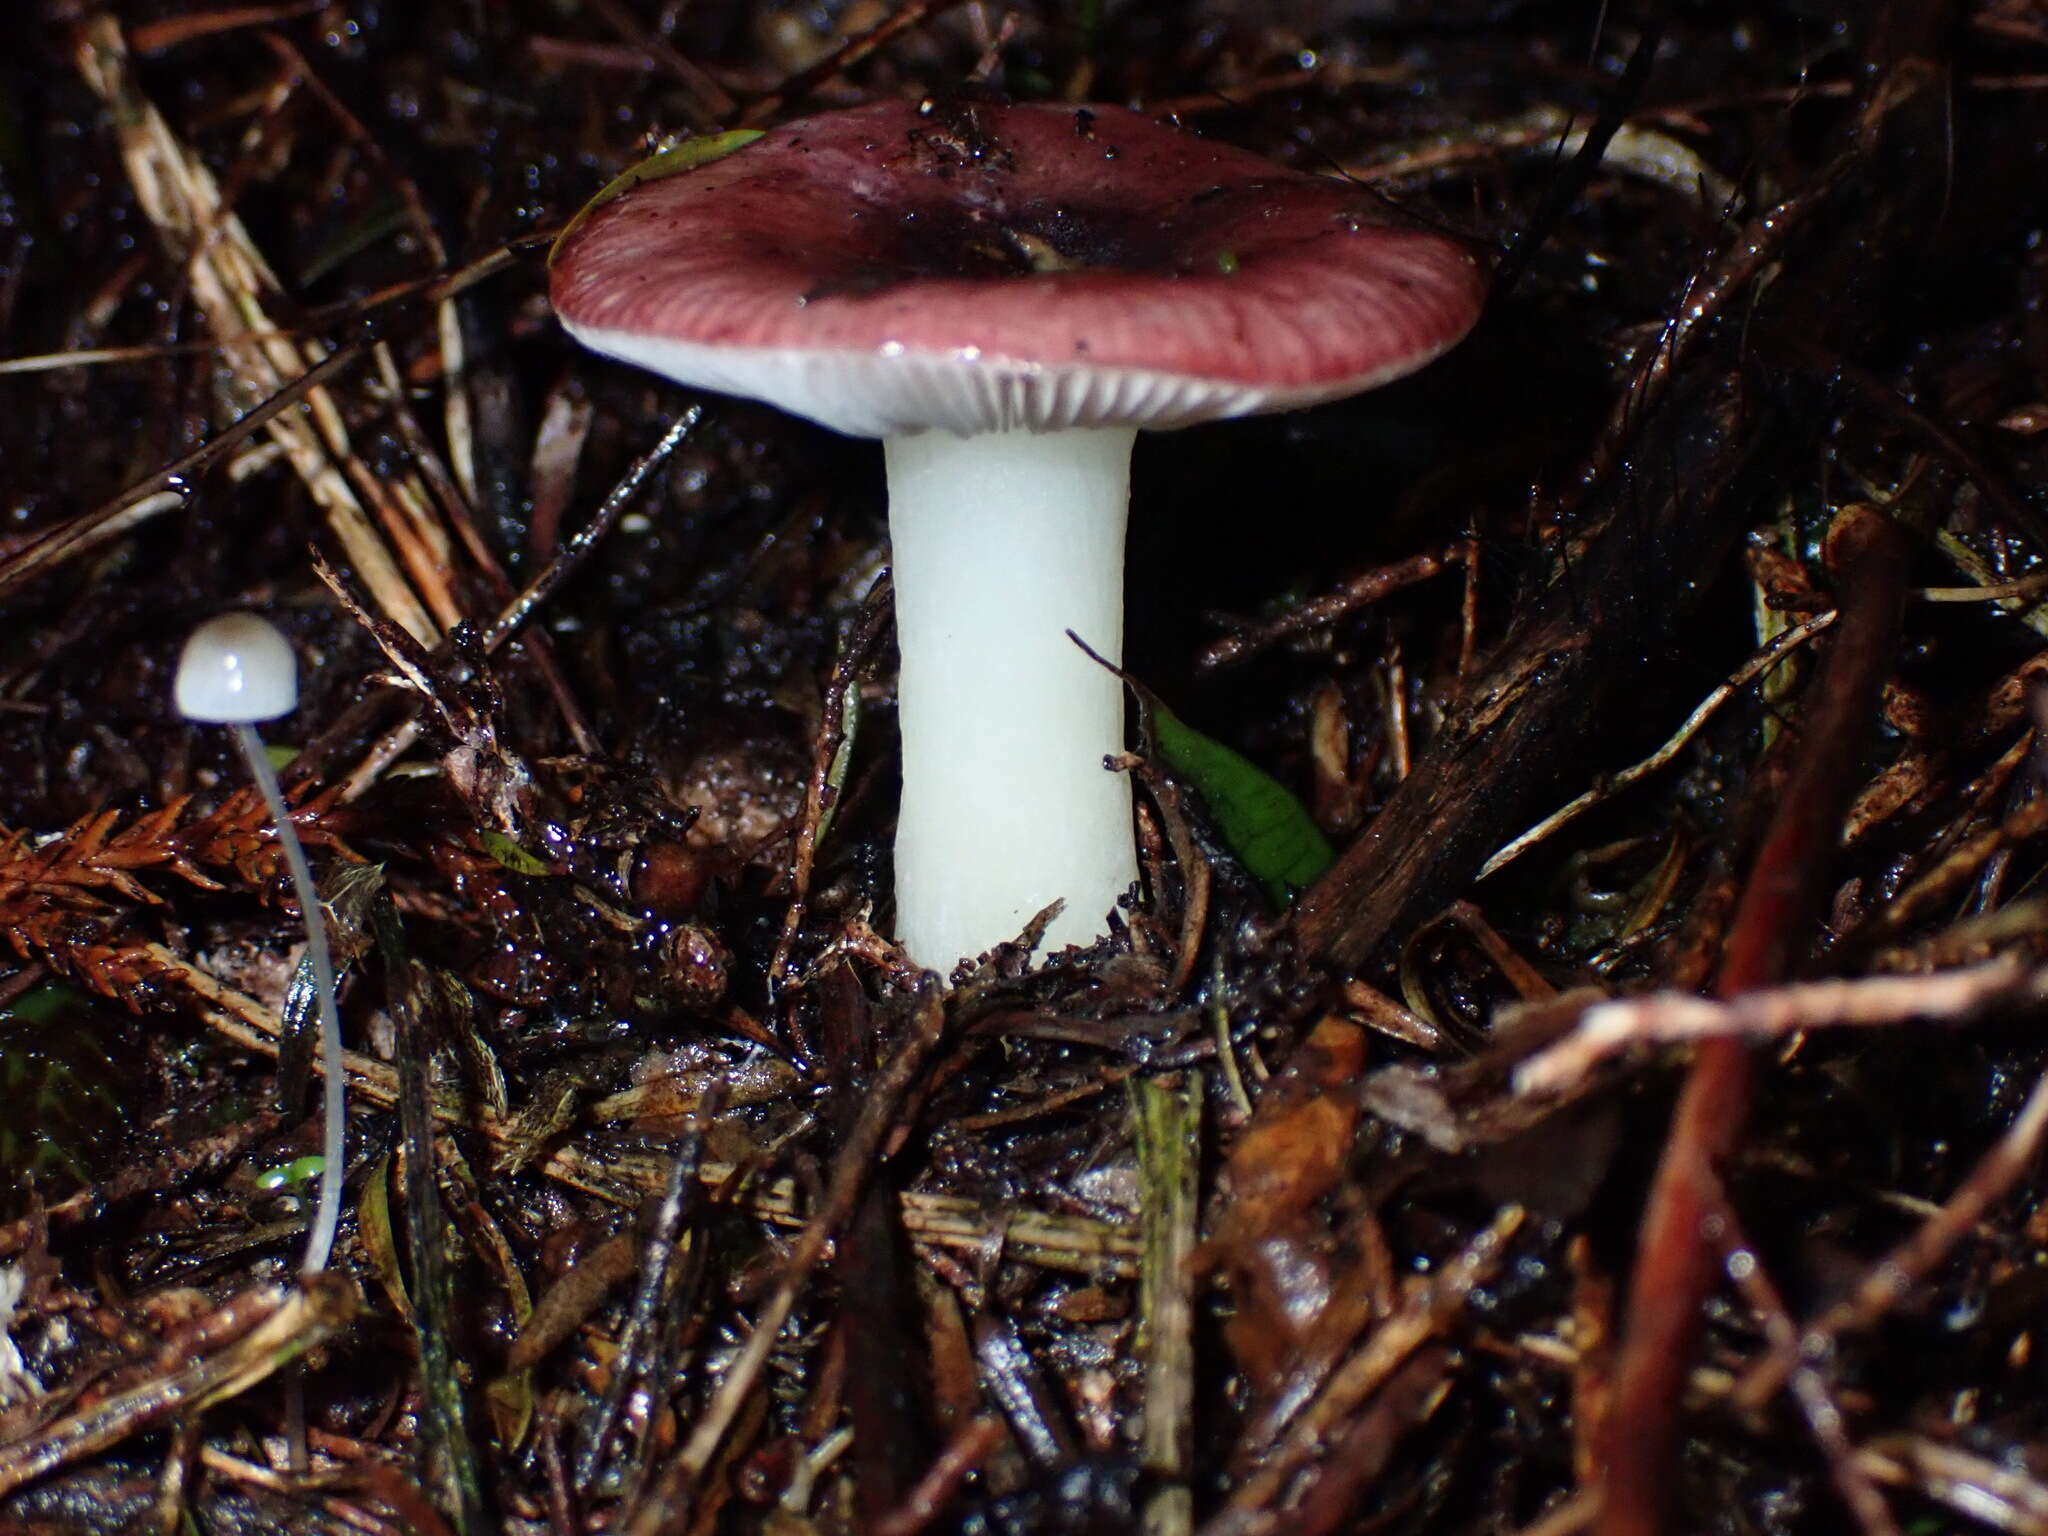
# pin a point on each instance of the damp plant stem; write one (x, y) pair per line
(320, 960)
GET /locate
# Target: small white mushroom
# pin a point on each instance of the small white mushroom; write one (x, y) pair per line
(235, 670)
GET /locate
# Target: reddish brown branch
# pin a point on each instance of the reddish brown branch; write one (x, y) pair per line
(1674, 1259)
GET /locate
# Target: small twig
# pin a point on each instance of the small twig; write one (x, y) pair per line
(1218, 1010)
(866, 629)
(157, 36)
(1575, 1514)
(1166, 1122)
(1891, 1279)
(564, 52)
(1997, 592)
(1757, 665)
(169, 488)
(1379, 1012)
(1572, 179)
(705, 98)
(1674, 1264)
(1731, 276)
(388, 174)
(679, 1199)
(1360, 591)
(1428, 1309)
(1824, 1419)
(1996, 1494)
(935, 1490)
(915, 13)
(1668, 1018)
(1367, 1445)
(668, 1508)
(587, 538)
(1330, 77)
(455, 507)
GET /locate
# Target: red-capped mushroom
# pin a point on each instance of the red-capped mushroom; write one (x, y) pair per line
(1004, 295)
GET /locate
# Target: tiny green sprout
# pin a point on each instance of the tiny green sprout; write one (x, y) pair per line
(301, 1170)
(1226, 263)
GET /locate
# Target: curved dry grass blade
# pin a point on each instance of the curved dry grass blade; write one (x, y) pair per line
(267, 1329)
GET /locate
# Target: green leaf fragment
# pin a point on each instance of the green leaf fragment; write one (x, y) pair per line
(302, 1171)
(1268, 829)
(46, 1003)
(842, 756)
(689, 155)
(509, 855)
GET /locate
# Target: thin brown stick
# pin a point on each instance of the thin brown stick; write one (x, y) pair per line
(868, 626)
(1824, 1418)
(1665, 1018)
(1360, 591)
(168, 490)
(1757, 666)
(1426, 1311)
(456, 509)
(706, 100)
(928, 1499)
(587, 538)
(765, 109)
(668, 1507)
(1891, 1279)
(173, 31)
(1674, 1261)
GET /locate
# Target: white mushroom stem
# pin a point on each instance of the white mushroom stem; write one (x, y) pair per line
(333, 1108)
(1002, 543)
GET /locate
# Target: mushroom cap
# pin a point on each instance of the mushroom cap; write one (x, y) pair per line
(236, 670)
(987, 267)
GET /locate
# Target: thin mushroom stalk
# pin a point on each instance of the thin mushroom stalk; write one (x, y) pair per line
(235, 670)
(1007, 803)
(320, 961)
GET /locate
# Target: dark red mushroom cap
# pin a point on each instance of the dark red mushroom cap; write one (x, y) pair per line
(986, 267)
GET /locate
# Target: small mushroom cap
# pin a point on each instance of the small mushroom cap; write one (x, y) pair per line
(236, 670)
(988, 267)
